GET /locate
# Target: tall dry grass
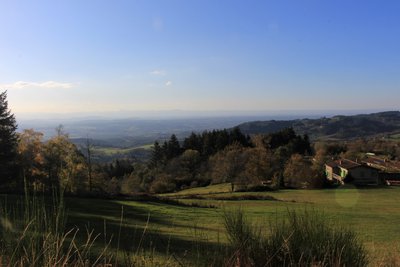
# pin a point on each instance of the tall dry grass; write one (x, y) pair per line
(33, 233)
(304, 239)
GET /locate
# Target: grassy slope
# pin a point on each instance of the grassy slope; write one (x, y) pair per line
(373, 213)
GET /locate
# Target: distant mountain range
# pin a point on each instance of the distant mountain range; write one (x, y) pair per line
(337, 127)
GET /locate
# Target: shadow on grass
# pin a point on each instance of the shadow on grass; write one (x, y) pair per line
(139, 229)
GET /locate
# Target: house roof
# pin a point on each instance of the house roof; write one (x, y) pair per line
(381, 163)
(343, 163)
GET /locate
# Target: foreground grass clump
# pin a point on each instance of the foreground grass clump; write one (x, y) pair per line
(33, 233)
(304, 239)
(247, 245)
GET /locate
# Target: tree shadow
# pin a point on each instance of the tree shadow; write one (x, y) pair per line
(132, 229)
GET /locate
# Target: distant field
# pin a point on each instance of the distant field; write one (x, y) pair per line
(108, 154)
(163, 229)
(109, 151)
(395, 136)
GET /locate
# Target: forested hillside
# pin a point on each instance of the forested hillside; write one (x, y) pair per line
(337, 127)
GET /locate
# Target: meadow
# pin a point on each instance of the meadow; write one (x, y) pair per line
(181, 231)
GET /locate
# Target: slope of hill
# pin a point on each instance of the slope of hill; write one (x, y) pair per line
(337, 127)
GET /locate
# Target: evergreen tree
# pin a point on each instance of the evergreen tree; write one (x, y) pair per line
(156, 155)
(8, 144)
(192, 142)
(173, 147)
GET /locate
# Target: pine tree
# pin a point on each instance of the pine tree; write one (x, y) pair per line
(156, 155)
(8, 144)
(173, 147)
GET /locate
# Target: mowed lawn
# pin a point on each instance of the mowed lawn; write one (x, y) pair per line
(180, 230)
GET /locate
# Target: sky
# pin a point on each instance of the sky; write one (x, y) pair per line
(199, 55)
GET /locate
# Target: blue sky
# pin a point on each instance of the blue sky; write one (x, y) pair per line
(99, 56)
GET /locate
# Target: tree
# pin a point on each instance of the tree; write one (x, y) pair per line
(190, 161)
(31, 159)
(157, 155)
(65, 165)
(229, 164)
(193, 142)
(173, 147)
(298, 172)
(8, 144)
(259, 165)
(184, 169)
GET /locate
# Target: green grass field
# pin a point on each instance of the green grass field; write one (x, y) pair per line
(179, 231)
(109, 151)
(373, 213)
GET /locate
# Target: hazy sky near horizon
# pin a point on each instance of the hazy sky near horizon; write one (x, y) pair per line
(97, 55)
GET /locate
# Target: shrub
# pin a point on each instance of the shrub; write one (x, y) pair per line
(162, 186)
(304, 239)
(245, 240)
(309, 239)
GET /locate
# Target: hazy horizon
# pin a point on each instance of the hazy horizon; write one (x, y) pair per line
(186, 114)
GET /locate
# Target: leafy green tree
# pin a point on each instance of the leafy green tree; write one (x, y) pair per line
(8, 146)
(185, 169)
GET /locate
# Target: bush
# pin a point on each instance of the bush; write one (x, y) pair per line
(309, 239)
(162, 186)
(304, 239)
(245, 240)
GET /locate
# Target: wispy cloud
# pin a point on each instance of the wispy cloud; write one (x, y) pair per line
(168, 83)
(44, 85)
(158, 72)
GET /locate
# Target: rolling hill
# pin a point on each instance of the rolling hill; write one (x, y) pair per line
(337, 127)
